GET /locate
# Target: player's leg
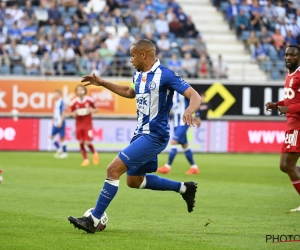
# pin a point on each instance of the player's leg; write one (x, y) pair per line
(64, 153)
(166, 169)
(80, 136)
(108, 192)
(88, 141)
(288, 163)
(190, 157)
(55, 142)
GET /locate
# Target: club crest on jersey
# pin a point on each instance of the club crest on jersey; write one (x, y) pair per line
(291, 82)
(152, 85)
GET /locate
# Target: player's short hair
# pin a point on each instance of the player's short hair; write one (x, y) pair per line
(294, 46)
(58, 91)
(82, 86)
(144, 44)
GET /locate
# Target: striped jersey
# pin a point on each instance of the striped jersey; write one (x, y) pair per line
(154, 95)
(59, 108)
(180, 103)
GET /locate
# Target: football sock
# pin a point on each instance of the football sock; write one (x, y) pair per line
(296, 185)
(56, 144)
(83, 151)
(108, 192)
(155, 182)
(189, 156)
(172, 155)
(64, 147)
(91, 147)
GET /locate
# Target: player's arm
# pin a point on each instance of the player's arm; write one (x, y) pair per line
(195, 101)
(274, 105)
(124, 91)
(197, 118)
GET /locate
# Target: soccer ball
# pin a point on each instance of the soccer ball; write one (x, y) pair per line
(103, 220)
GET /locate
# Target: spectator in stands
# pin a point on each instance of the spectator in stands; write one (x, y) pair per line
(251, 42)
(15, 12)
(176, 27)
(181, 16)
(68, 32)
(290, 38)
(29, 10)
(260, 52)
(124, 45)
(29, 32)
(3, 32)
(164, 45)
(161, 24)
(57, 60)
(200, 47)
(189, 65)
(105, 17)
(255, 7)
(66, 54)
(150, 37)
(295, 28)
(256, 21)
(269, 12)
(112, 43)
(4, 56)
(203, 69)
(117, 19)
(92, 17)
(15, 33)
(9, 20)
(186, 47)
(147, 26)
(32, 64)
(278, 40)
(189, 28)
(41, 15)
(129, 19)
(102, 33)
(84, 65)
(112, 5)
(246, 8)
(149, 5)
(54, 15)
(106, 53)
(220, 68)
(74, 42)
(96, 5)
(241, 23)
(13, 53)
(80, 16)
(76, 29)
(141, 14)
(134, 5)
(231, 13)
(280, 10)
(290, 11)
(2, 10)
(170, 14)
(41, 50)
(283, 27)
(174, 5)
(47, 65)
(97, 65)
(265, 37)
(298, 17)
(160, 6)
(176, 65)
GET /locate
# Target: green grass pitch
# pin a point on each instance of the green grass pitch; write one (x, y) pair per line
(244, 196)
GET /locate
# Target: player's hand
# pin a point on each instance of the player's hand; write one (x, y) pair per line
(271, 105)
(283, 110)
(198, 122)
(91, 80)
(188, 118)
(59, 125)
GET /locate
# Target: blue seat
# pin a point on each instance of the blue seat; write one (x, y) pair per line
(72, 11)
(85, 29)
(60, 29)
(18, 70)
(224, 6)
(273, 55)
(70, 69)
(245, 35)
(134, 31)
(280, 65)
(275, 75)
(61, 9)
(4, 70)
(179, 41)
(47, 29)
(267, 66)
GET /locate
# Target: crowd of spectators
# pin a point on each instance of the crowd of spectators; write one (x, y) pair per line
(73, 37)
(266, 26)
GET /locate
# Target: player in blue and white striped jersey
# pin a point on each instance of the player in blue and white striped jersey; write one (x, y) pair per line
(180, 104)
(59, 125)
(153, 87)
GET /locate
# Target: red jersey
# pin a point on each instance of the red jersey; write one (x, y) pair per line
(83, 116)
(292, 100)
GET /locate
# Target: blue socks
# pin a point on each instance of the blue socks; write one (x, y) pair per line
(189, 156)
(172, 155)
(56, 144)
(64, 147)
(155, 182)
(108, 192)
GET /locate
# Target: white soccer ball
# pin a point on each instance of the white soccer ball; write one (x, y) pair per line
(1, 179)
(103, 220)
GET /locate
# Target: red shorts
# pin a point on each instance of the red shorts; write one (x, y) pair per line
(291, 142)
(84, 134)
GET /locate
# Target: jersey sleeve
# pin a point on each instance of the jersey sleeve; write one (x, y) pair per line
(62, 107)
(175, 82)
(72, 106)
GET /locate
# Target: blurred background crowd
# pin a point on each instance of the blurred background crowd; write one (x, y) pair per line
(74, 37)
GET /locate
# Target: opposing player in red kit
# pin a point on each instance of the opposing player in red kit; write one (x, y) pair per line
(82, 107)
(290, 106)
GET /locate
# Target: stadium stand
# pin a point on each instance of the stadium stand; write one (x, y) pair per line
(73, 37)
(266, 27)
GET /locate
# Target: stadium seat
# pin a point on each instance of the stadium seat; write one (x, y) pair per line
(62, 10)
(245, 35)
(134, 31)
(111, 30)
(280, 65)
(267, 66)
(4, 70)
(18, 70)
(275, 75)
(72, 11)
(273, 55)
(60, 29)
(122, 30)
(85, 29)
(224, 6)
(70, 69)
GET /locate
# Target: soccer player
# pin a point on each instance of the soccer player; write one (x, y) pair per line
(82, 108)
(180, 104)
(153, 87)
(290, 106)
(59, 125)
